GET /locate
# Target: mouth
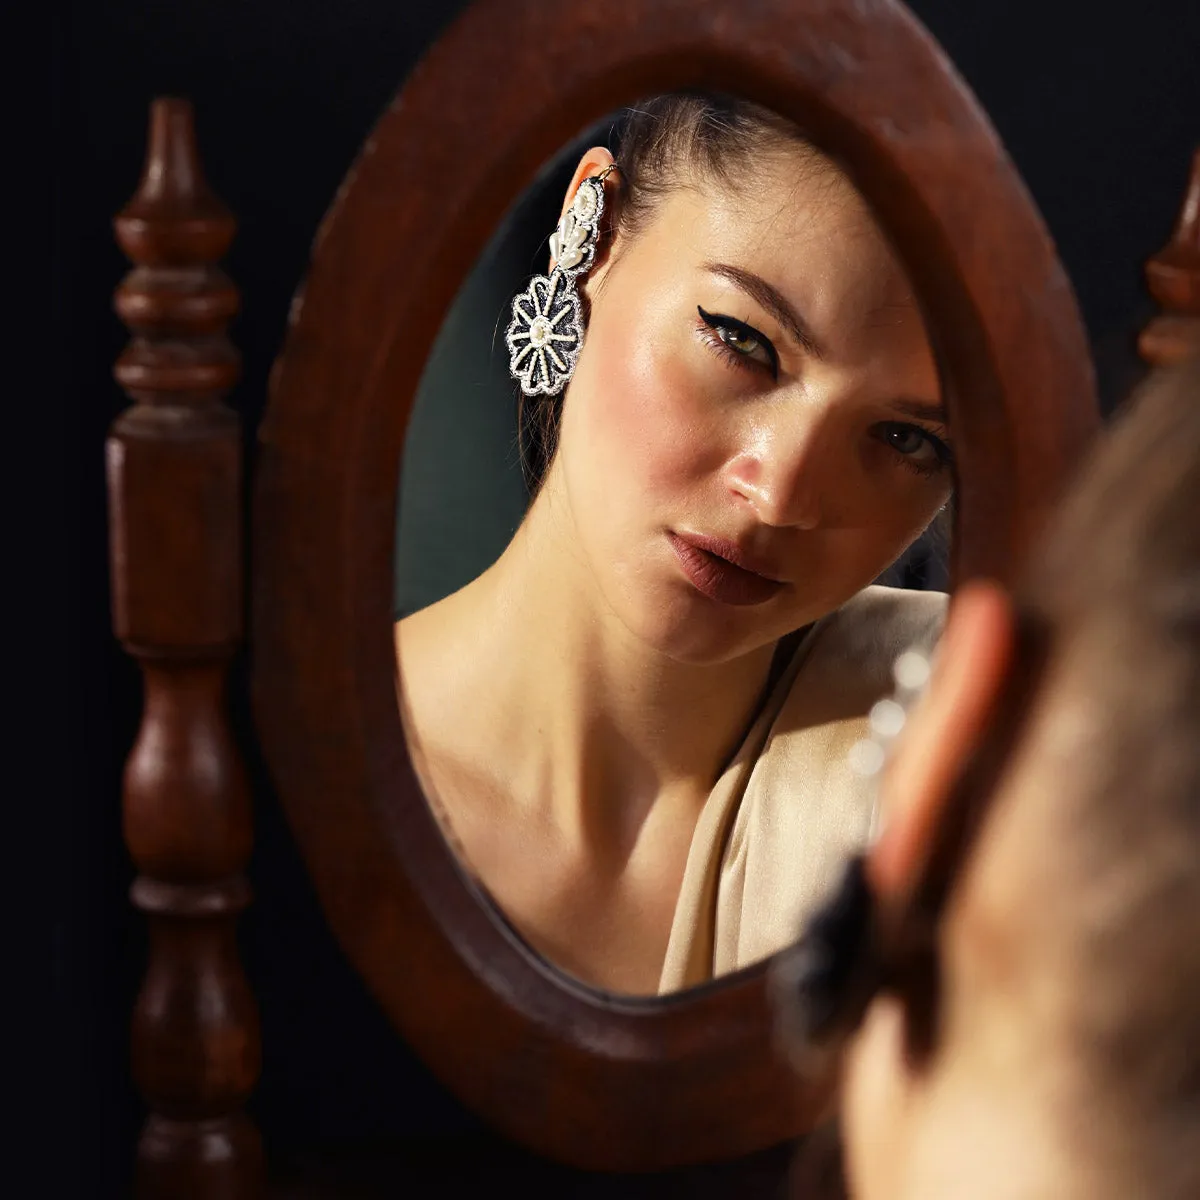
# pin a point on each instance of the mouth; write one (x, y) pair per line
(721, 571)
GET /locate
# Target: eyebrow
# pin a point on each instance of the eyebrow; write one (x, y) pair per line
(772, 300)
(922, 410)
(776, 303)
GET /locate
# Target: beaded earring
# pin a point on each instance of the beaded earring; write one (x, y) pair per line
(823, 983)
(545, 335)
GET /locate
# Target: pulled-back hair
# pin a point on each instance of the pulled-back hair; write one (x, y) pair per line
(1116, 593)
(667, 142)
(674, 140)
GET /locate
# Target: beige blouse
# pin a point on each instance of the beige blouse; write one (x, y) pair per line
(788, 811)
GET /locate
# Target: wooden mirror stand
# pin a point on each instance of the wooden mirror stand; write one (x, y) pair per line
(176, 517)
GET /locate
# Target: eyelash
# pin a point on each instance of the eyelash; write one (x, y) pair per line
(710, 325)
(944, 455)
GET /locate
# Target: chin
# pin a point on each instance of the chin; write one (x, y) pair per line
(695, 632)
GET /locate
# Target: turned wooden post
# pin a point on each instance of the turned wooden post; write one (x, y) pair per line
(1174, 278)
(174, 483)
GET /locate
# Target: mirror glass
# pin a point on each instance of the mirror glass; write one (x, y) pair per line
(662, 529)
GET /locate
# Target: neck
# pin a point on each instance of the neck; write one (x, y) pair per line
(581, 714)
(1002, 1159)
(991, 1120)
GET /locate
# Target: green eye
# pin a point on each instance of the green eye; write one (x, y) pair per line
(918, 447)
(907, 439)
(741, 340)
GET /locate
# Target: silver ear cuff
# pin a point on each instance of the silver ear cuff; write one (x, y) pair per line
(546, 332)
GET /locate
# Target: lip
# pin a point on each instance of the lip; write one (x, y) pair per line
(720, 570)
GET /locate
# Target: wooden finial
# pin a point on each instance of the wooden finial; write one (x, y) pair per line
(176, 301)
(1173, 275)
(175, 522)
(174, 216)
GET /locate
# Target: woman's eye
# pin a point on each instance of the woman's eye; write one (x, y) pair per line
(920, 448)
(742, 340)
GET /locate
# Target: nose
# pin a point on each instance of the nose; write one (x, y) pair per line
(781, 473)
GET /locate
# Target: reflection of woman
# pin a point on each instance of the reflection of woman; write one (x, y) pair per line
(1046, 1041)
(634, 724)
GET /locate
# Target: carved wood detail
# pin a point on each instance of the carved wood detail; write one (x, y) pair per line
(174, 481)
(1173, 275)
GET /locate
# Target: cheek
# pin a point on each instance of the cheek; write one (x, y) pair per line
(907, 507)
(877, 492)
(871, 508)
(642, 409)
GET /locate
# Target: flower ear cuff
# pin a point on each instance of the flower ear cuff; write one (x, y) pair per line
(546, 332)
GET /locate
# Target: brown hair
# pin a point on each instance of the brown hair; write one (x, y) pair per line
(662, 144)
(1109, 624)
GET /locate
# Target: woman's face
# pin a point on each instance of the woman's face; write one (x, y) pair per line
(754, 429)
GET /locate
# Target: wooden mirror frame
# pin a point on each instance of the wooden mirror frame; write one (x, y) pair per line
(583, 1077)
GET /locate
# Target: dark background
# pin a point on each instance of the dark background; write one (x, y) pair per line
(1098, 102)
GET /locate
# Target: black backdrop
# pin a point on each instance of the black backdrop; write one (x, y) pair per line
(1098, 102)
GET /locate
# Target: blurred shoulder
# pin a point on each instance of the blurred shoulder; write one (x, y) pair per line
(845, 664)
(885, 620)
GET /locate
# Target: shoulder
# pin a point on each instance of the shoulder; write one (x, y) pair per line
(429, 644)
(803, 810)
(432, 679)
(882, 621)
(845, 664)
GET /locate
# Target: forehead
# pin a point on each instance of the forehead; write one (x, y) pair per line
(797, 220)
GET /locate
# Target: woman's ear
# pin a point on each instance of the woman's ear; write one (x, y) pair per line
(593, 163)
(944, 729)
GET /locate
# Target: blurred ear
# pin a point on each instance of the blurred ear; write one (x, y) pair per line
(944, 729)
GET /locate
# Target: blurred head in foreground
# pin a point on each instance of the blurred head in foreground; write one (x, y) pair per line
(1041, 1038)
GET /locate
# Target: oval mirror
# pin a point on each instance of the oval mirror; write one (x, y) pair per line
(652, 579)
(585, 1074)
